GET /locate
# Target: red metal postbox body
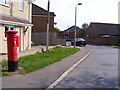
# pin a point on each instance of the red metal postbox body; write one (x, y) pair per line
(12, 44)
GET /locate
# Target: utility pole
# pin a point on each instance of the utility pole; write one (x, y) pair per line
(48, 26)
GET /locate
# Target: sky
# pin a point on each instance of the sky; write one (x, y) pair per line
(104, 11)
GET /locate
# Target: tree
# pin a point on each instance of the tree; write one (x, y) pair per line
(83, 29)
(57, 29)
(85, 26)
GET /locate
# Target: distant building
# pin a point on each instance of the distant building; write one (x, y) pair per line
(103, 33)
(39, 19)
(39, 30)
(69, 33)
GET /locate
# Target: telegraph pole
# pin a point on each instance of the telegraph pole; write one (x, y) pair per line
(48, 26)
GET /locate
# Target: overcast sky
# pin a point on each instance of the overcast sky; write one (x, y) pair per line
(105, 11)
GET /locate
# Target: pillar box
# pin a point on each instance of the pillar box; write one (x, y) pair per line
(12, 44)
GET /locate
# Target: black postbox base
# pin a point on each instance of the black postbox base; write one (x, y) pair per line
(12, 66)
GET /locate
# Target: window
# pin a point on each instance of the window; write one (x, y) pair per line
(87, 35)
(7, 28)
(21, 4)
(5, 2)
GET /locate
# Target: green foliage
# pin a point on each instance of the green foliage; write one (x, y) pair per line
(4, 63)
(85, 26)
(83, 29)
(57, 29)
(57, 47)
(82, 33)
(39, 60)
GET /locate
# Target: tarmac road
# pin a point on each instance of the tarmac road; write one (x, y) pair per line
(99, 70)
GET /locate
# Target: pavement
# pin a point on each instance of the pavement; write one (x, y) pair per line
(47, 76)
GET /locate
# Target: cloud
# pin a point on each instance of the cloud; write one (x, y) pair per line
(91, 11)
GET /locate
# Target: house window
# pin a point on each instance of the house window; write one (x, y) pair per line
(21, 4)
(7, 28)
(5, 2)
(87, 35)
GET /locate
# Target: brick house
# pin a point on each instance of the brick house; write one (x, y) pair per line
(15, 15)
(39, 19)
(103, 33)
(68, 34)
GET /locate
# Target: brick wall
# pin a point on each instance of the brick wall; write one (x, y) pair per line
(40, 24)
(104, 41)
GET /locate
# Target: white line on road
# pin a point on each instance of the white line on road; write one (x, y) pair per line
(67, 72)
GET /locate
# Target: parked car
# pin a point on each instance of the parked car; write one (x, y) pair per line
(79, 42)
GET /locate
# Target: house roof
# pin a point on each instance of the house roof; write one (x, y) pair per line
(7, 19)
(36, 10)
(72, 29)
(106, 28)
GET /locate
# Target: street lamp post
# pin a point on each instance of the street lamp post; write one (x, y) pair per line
(75, 23)
(48, 25)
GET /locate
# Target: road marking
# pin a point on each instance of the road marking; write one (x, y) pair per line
(67, 72)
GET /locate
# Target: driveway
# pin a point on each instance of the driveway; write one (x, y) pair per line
(99, 70)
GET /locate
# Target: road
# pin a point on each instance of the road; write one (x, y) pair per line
(99, 70)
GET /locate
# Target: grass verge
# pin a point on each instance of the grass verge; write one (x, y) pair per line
(39, 60)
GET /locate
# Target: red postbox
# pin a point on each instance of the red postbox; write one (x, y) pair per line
(12, 44)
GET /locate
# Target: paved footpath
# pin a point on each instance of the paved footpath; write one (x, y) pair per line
(46, 76)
